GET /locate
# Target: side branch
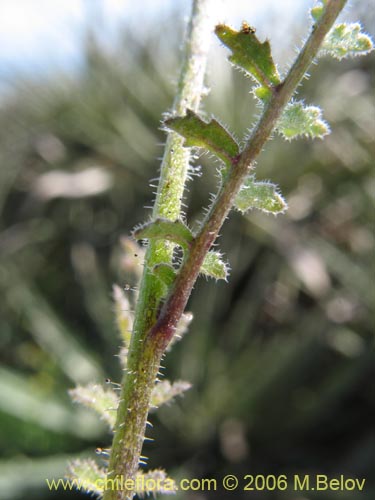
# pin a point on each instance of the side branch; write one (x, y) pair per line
(144, 356)
(164, 328)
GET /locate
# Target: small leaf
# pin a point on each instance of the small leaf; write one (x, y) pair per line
(123, 314)
(94, 396)
(345, 40)
(86, 475)
(261, 195)
(262, 93)
(164, 229)
(200, 134)
(164, 391)
(298, 119)
(165, 272)
(214, 266)
(250, 54)
(317, 11)
(152, 482)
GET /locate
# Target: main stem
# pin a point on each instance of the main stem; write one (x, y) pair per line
(145, 353)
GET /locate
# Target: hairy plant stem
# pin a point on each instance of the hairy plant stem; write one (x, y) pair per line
(173, 308)
(145, 353)
(152, 331)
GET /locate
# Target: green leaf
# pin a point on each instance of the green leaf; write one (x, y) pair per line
(152, 482)
(164, 391)
(317, 11)
(94, 396)
(165, 272)
(298, 119)
(214, 266)
(262, 93)
(346, 40)
(200, 134)
(86, 475)
(250, 54)
(261, 195)
(164, 229)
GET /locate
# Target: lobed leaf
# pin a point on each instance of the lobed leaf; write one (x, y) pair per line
(164, 391)
(298, 119)
(164, 229)
(214, 267)
(86, 475)
(346, 40)
(200, 134)
(250, 54)
(261, 195)
(94, 396)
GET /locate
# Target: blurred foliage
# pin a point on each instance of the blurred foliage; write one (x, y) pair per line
(281, 359)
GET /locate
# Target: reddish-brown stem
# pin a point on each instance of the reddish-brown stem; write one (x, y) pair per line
(165, 326)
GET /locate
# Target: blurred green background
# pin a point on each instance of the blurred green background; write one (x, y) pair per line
(281, 358)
